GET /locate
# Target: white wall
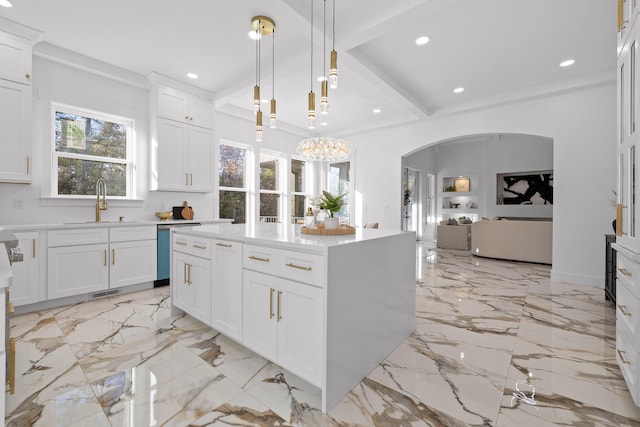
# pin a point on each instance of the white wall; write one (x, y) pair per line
(582, 126)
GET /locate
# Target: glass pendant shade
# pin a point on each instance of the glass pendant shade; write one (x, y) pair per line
(259, 126)
(324, 149)
(333, 71)
(311, 115)
(272, 115)
(324, 99)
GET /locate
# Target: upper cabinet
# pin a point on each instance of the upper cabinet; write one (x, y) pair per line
(182, 107)
(182, 141)
(16, 44)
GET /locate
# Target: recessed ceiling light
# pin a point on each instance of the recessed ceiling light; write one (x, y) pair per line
(458, 90)
(377, 111)
(422, 40)
(5, 3)
(190, 75)
(567, 63)
(253, 35)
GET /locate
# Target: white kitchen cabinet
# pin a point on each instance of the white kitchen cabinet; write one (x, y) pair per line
(627, 244)
(282, 321)
(191, 277)
(15, 57)
(94, 259)
(25, 285)
(184, 157)
(180, 106)
(15, 122)
(77, 269)
(226, 291)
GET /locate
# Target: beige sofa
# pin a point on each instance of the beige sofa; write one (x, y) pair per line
(454, 237)
(529, 241)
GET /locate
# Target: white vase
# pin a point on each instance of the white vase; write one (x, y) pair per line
(331, 223)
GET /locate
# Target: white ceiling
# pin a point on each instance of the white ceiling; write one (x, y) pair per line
(498, 50)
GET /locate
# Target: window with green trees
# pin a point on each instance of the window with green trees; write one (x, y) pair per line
(232, 170)
(89, 146)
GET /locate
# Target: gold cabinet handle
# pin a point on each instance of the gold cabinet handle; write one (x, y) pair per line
(191, 179)
(33, 247)
(623, 310)
(299, 267)
(271, 290)
(259, 259)
(624, 272)
(28, 161)
(186, 178)
(9, 304)
(189, 275)
(621, 354)
(113, 256)
(225, 245)
(199, 247)
(10, 309)
(12, 365)
(279, 318)
(105, 257)
(179, 243)
(184, 273)
(619, 220)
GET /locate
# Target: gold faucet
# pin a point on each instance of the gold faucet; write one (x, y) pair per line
(101, 191)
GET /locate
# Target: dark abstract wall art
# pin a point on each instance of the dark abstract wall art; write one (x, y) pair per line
(525, 188)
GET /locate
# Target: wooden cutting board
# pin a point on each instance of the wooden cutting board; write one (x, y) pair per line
(187, 212)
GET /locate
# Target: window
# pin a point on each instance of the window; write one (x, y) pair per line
(270, 186)
(233, 181)
(298, 186)
(340, 183)
(88, 146)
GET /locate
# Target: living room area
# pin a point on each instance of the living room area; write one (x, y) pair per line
(490, 194)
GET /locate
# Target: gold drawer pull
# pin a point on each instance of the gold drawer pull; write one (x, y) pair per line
(259, 259)
(624, 272)
(113, 257)
(621, 354)
(10, 309)
(623, 310)
(199, 247)
(299, 267)
(279, 318)
(12, 365)
(224, 245)
(181, 243)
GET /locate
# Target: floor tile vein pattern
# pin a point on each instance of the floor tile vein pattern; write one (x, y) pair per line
(495, 344)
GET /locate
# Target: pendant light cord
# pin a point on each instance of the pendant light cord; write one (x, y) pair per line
(324, 40)
(311, 73)
(334, 25)
(273, 64)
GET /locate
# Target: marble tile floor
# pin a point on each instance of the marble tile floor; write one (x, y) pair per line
(496, 343)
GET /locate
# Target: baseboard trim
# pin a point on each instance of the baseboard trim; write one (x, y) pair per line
(577, 279)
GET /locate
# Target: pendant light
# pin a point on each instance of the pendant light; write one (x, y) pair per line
(333, 72)
(324, 98)
(311, 114)
(272, 116)
(263, 26)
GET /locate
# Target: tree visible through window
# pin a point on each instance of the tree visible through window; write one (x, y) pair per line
(90, 146)
(232, 180)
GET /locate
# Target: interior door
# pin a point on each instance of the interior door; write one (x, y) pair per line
(412, 202)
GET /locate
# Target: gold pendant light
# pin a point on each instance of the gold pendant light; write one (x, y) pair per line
(324, 98)
(311, 113)
(333, 71)
(263, 26)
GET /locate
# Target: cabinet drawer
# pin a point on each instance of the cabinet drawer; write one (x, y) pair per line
(628, 271)
(298, 266)
(79, 236)
(628, 360)
(198, 246)
(627, 313)
(129, 234)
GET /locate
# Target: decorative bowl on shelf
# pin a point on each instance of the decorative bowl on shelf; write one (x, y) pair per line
(164, 216)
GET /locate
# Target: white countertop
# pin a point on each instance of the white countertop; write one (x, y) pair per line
(125, 223)
(286, 236)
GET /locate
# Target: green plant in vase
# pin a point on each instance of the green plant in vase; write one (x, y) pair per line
(331, 204)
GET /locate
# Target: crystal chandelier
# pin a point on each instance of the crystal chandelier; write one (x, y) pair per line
(324, 148)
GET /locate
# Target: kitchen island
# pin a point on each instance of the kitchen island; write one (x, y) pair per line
(327, 308)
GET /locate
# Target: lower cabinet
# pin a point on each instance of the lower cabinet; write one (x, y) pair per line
(226, 290)
(78, 269)
(191, 285)
(282, 320)
(95, 259)
(25, 285)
